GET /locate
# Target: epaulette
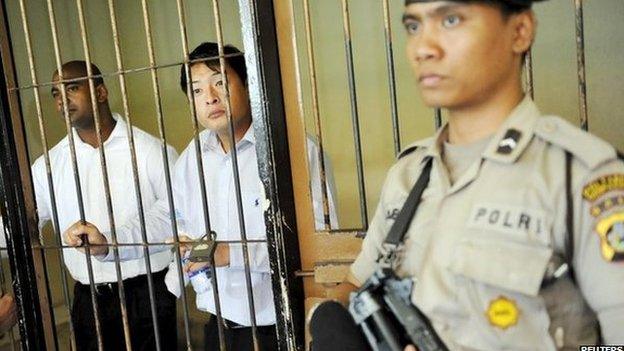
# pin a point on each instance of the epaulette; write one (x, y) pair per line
(590, 150)
(415, 146)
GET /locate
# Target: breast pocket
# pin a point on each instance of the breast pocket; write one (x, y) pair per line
(499, 282)
(253, 210)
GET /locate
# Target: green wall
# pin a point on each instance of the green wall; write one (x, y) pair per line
(554, 74)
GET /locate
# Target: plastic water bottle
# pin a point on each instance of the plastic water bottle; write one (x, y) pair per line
(200, 279)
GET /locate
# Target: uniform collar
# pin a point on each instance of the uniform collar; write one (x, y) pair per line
(210, 141)
(515, 134)
(508, 142)
(119, 131)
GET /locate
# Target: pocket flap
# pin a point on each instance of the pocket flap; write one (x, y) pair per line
(514, 266)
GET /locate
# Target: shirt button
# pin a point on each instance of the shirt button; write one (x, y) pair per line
(549, 127)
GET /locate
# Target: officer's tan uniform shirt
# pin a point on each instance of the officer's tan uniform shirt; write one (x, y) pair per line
(478, 249)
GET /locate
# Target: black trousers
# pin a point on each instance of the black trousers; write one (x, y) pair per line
(139, 315)
(238, 338)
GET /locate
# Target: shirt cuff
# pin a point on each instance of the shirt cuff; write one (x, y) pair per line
(236, 256)
(109, 257)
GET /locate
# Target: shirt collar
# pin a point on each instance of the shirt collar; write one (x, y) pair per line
(210, 141)
(119, 131)
(508, 142)
(515, 134)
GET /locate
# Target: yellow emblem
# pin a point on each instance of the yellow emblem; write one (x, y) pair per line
(603, 185)
(503, 313)
(611, 232)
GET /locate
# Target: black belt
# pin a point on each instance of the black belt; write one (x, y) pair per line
(129, 283)
(228, 324)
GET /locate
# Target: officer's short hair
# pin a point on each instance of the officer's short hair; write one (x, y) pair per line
(210, 51)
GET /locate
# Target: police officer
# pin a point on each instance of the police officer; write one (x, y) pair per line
(519, 238)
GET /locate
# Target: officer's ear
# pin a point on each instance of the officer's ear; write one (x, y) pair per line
(523, 25)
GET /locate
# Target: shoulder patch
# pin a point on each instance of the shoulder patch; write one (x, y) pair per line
(587, 148)
(414, 146)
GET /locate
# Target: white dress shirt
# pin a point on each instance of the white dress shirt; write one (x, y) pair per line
(221, 193)
(125, 211)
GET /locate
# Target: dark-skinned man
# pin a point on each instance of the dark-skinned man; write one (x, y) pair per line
(97, 226)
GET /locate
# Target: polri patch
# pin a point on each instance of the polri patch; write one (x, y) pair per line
(611, 232)
(515, 220)
(603, 185)
(503, 313)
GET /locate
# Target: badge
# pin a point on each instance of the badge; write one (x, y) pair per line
(611, 231)
(603, 185)
(503, 313)
(607, 204)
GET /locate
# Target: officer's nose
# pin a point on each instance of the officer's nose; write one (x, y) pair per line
(425, 46)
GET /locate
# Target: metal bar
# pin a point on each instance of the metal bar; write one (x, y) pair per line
(116, 73)
(355, 120)
(74, 162)
(137, 189)
(528, 70)
(200, 166)
(56, 247)
(269, 121)
(165, 155)
(44, 142)
(260, 38)
(19, 203)
(235, 173)
(391, 79)
(580, 62)
(437, 118)
(109, 203)
(316, 113)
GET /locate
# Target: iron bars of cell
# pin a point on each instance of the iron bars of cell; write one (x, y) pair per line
(391, 79)
(316, 113)
(103, 165)
(235, 172)
(44, 142)
(355, 119)
(165, 156)
(580, 63)
(200, 165)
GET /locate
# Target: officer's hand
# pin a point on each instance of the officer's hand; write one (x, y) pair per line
(75, 235)
(8, 313)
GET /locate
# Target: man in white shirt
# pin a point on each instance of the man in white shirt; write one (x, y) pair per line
(128, 229)
(216, 152)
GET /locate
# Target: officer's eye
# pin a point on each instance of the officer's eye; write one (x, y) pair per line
(72, 88)
(451, 21)
(411, 26)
